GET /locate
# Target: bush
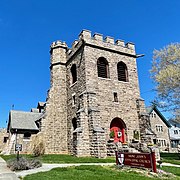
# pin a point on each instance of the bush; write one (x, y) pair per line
(38, 147)
(23, 164)
(112, 134)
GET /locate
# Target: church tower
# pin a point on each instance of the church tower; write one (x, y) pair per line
(93, 94)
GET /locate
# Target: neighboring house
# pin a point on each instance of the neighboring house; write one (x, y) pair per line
(160, 126)
(174, 132)
(21, 126)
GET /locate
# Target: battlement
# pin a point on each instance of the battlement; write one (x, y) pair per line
(95, 40)
(87, 36)
(57, 44)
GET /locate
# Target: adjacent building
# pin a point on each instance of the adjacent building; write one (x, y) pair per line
(174, 132)
(160, 126)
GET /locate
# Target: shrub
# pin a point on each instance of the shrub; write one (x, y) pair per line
(38, 147)
(23, 164)
(112, 134)
(136, 135)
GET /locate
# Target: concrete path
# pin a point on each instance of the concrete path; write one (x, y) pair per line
(5, 172)
(169, 164)
(48, 167)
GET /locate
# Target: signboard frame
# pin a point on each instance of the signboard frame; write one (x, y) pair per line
(138, 160)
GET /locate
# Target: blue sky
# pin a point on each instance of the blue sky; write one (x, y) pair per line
(27, 28)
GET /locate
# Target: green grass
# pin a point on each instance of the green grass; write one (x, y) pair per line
(86, 173)
(170, 158)
(62, 158)
(173, 170)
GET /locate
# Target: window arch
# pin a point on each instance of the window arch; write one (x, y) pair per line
(74, 73)
(122, 72)
(103, 68)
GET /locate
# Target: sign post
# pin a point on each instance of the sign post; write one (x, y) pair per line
(18, 147)
(143, 160)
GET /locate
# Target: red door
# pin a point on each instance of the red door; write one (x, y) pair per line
(119, 135)
(118, 126)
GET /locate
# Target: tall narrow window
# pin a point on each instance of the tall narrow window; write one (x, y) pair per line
(74, 123)
(103, 69)
(122, 72)
(73, 100)
(74, 73)
(115, 97)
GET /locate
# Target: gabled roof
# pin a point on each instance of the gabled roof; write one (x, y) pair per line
(22, 120)
(154, 107)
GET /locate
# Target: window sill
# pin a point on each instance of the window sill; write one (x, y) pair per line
(104, 78)
(115, 102)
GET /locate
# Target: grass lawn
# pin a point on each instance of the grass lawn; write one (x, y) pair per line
(61, 158)
(170, 158)
(87, 173)
(173, 170)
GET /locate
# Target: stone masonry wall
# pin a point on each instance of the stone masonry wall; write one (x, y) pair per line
(77, 109)
(3, 134)
(104, 88)
(54, 124)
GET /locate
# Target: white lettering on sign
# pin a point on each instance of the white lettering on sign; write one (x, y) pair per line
(18, 147)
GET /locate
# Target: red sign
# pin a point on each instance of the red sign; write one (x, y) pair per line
(144, 160)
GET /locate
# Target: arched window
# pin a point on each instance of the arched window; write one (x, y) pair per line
(74, 73)
(74, 123)
(103, 68)
(122, 72)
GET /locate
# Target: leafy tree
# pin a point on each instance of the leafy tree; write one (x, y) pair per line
(166, 74)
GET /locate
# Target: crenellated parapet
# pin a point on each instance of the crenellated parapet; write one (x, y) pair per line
(96, 40)
(58, 52)
(58, 44)
(99, 41)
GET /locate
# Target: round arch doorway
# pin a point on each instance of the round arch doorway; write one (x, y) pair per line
(118, 126)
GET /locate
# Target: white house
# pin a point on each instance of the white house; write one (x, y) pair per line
(174, 132)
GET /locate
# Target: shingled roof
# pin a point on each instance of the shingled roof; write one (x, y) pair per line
(154, 107)
(23, 121)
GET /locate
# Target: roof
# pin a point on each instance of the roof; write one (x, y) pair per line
(174, 122)
(22, 120)
(154, 107)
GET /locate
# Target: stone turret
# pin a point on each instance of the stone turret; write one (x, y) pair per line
(55, 122)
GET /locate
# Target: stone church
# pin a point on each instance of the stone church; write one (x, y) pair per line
(94, 93)
(93, 106)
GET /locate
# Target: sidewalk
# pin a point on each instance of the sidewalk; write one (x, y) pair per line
(48, 167)
(5, 172)
(169, 164)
